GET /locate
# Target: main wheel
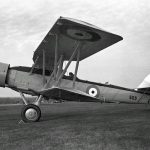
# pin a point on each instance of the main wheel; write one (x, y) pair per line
(30, 113)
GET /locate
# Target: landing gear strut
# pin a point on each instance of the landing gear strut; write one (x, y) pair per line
(30, 113)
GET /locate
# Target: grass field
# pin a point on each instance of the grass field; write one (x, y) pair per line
(15, 100)
(77, 126)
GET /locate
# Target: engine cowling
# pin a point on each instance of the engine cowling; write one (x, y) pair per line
(3, 73)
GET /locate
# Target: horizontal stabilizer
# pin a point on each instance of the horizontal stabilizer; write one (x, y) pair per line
(144, 90)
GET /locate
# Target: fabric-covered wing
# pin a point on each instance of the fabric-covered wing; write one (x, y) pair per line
(68, 94)
(68, 32)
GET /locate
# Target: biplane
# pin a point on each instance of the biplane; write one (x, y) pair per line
(68, 40)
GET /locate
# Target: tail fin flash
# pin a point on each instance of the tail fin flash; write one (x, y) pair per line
(145, 85)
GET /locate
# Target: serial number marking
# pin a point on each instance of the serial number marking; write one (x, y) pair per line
(132, 97)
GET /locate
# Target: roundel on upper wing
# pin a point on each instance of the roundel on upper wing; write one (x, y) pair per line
(79, 33)
(93, 90)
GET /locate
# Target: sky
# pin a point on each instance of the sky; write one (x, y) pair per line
(24, 23)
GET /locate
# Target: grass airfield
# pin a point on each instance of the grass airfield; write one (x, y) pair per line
(77, 126)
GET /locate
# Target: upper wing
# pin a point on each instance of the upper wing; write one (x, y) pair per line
(68, 94)
(68, 31)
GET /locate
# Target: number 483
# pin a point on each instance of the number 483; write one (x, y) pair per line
(133, 97)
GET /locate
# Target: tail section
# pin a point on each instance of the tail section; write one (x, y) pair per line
(145, 85)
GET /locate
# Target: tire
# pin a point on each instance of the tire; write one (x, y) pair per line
(31, 113)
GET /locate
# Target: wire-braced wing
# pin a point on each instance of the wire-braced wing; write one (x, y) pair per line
(68, 94)
(69, 31)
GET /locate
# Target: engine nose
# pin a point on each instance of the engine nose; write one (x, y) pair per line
(3, 73)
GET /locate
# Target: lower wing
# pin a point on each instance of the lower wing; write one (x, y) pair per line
(67, 94)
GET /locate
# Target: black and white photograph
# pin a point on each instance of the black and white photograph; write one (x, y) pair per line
(74, 75)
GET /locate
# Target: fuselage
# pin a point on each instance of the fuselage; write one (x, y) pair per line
(23, 80)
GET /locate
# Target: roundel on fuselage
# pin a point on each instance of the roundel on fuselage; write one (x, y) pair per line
(93, 90)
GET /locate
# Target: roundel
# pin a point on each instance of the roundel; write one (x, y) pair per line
(93, 90)
(79, 33)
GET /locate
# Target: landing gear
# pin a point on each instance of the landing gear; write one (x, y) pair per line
(31, 113)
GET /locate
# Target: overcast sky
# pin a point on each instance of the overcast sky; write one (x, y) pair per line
(24, 23)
